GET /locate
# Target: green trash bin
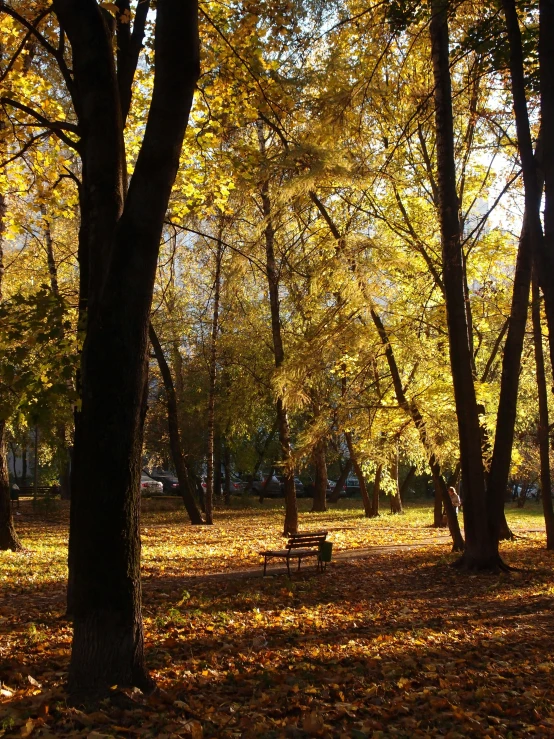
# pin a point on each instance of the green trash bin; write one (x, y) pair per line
(325, 553)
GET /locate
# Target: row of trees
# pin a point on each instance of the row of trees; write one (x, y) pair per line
(323, 259)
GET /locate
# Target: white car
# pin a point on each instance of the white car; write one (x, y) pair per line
(149, 486)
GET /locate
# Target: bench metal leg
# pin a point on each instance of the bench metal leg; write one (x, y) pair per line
(288, 566)
(265, 565)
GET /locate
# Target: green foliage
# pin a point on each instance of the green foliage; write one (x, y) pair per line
(38, 355)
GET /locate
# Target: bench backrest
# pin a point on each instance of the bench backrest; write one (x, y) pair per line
(306, 539)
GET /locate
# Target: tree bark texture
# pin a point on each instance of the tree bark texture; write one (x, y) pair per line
(8, 535)
(481, 548)
(185, 485)
(542, 431)
(320, 487)
(123, 232)
(546, 62)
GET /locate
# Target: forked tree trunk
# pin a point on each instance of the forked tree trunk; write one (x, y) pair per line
(481, 549)
(291, 509)
(542, 432)
(320, 487)
(123, 238)
(185, 483)
(261, 453)
(335, 495)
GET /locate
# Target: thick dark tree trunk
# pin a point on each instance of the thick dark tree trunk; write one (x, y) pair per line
(335, 495)
(291, 509)
(320, 487)
(8, 536)
(438, 518)
(542, 432)
(186, 486)
(213, 481)
(123, 237)
(545, 262)
(481, 549)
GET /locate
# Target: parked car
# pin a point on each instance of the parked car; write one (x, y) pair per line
(237, 484)
(149, 486)
(170, 482)
(272, 489)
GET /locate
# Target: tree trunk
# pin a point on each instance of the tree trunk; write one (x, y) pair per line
(210, 457)
(291, 509)
(545, 263)
(8, 536)
(123, 237)
(185, 484)
(320, 487)
(481, 548)
(438, 519)
(335, 495)
(376, 492)
(542, 431)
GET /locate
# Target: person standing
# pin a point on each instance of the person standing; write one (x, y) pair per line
(455, 498)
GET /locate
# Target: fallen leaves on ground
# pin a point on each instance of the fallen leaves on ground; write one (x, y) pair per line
(396, 643)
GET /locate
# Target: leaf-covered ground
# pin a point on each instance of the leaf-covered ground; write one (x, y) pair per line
(390, 643)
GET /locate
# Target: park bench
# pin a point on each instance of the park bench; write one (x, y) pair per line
(28, 491)
(299, 546)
